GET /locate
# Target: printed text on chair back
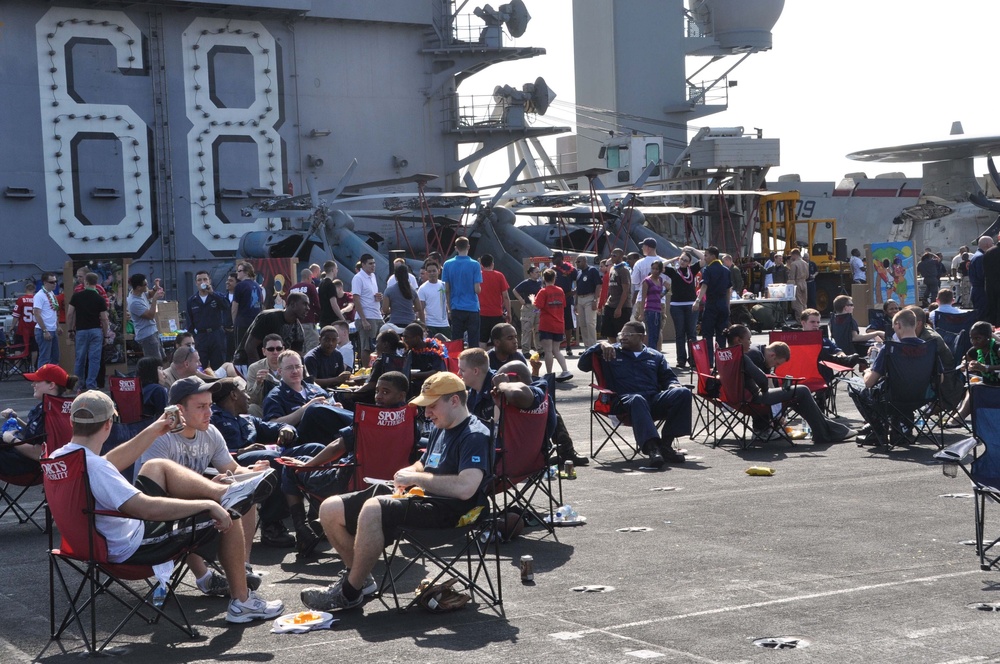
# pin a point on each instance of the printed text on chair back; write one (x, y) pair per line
(58, 428)
(383, 442)
(68, 494)
(127, 394)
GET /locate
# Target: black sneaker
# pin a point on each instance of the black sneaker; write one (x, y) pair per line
(305, 542)
(275, 534)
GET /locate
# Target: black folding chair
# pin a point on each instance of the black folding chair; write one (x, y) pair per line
(983, 468)
(468, 553)
(912, 378)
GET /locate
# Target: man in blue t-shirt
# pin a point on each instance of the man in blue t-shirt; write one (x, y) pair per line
(452, 473)
(463, 278)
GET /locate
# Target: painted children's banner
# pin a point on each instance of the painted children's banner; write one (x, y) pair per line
(895, 272)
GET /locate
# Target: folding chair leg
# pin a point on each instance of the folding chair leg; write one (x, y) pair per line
(14, 507)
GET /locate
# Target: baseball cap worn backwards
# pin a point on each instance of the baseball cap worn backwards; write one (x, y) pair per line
(92, 407)
(440, 384)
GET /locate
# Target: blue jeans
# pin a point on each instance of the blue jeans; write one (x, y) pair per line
(48, 351)
(685, 329)
(653, 320)
(89, 344)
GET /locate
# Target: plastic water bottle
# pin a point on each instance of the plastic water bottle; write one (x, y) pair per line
(159, 595)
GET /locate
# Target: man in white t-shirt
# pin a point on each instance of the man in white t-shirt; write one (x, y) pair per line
(367, 304)
(344, 345)
(46, 311)
(435, 300)
(164, 492)
(198, 447)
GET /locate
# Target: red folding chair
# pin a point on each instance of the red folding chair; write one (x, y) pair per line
(521, 466)
(736, 411)
(83, 551)
(707, 399)
(127, 395)
(384, 440)
(13, 488)
(454, 349)
(609, 424)
(58, 427)
(15, 359)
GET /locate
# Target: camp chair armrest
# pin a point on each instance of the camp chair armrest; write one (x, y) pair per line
(34, 440)
(836, 368)
(958, 452)
(603, 390)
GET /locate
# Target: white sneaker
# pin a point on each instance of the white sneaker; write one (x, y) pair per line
(564, 376)
(248, 489)
(255, 608)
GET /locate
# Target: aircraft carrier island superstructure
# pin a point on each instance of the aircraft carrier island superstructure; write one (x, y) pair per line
(142, 129)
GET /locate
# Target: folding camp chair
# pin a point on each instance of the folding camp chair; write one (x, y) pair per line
(454, 349)
(384, 441)
(522, 468)
(803, 362)
(912, 378)
(127, 395)
(58, 427)
(705, 389)
(468, 553)
(15, 359)
(983, 469)
(842, 331)
(954, 323)
(14, 486)
(735, 414)
(603, 400)
(83, 551)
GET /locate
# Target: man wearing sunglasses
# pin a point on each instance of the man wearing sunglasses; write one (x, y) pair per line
(46, 311)
(647, 390)
(263, 375)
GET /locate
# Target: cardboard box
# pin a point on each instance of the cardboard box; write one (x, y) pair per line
(168, 318)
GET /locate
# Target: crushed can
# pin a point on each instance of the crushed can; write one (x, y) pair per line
(174, 415)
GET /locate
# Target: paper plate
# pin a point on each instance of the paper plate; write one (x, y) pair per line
(578, 521)
(289, 620)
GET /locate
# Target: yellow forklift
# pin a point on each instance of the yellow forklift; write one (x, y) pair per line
(782, 230)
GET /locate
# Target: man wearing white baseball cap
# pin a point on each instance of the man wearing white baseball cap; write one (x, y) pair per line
(164, 491)
(451, 473)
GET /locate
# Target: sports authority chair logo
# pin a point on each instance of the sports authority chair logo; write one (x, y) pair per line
(725, 355)
(391, 418)
(67, 406)
(129, 385)
(56, 471)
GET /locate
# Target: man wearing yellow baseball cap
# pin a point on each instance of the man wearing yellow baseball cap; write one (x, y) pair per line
(452, 473)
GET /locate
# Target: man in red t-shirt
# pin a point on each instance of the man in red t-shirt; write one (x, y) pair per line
(494, 300)
(551, 305)
(310, 332)
(24, 315)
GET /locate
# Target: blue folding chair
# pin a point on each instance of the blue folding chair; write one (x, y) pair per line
(983, 469)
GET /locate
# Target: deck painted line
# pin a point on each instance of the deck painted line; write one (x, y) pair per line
(786, 600)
